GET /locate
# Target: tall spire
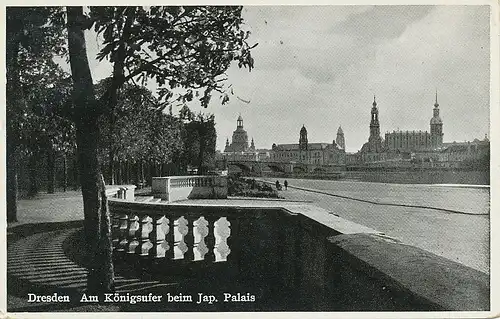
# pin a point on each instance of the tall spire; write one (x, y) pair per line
(436, 104)
(374, 101)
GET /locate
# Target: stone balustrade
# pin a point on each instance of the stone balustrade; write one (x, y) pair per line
(297, 254)
(175, 188)
(121, 191)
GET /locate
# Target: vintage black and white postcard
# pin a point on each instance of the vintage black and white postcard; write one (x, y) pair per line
(177, 160)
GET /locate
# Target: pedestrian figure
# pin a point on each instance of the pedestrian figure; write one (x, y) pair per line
(286, 184)
(278, 186)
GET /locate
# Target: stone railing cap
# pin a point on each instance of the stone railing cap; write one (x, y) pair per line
(443, 282)
(187, 176)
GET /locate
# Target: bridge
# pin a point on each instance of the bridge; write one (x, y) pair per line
(262, 167)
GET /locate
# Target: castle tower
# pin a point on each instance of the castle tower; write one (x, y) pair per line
(375, 141)
(436, 127)
(340, 138)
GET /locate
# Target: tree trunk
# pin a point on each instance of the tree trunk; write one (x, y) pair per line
(127, 172)
(75, 175)
(65, 173)
(111, 166)
(100, 276)
(51, 171)
(200, 157)
(119, 178)
(33, 175)
(137, 170)
(142, 173)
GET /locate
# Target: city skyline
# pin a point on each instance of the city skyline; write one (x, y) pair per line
(320, 66)
(401, 54)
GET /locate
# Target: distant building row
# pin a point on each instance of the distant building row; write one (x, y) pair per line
(303, 152)
(406, 146)
(398, 147)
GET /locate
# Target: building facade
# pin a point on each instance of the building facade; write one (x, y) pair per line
(399, 145)
(415, 141)
(309, 153)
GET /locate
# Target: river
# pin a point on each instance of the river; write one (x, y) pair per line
(456, 226)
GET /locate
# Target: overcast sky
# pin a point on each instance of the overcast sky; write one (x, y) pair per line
(320, 66)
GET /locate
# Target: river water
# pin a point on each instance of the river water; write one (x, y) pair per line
(457, 227)
(463, 198)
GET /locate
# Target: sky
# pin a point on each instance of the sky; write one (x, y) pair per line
(320, 66)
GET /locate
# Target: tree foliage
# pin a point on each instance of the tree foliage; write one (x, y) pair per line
(42, 124)
(186, 50)
(140, 132)
(32, 34)
(199, 139)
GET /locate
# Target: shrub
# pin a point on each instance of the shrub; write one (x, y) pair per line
(238, 186)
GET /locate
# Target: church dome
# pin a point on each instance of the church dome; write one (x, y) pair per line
(240, 118)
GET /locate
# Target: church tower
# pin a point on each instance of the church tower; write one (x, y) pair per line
(340, 138)
(436, 127)
(374, 141)
(303, 138)
(252, 146)
(303, 154)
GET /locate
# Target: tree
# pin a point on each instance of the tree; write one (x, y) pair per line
(28, 30)
(199, 138)
(136, 132)
(46, 89)
(183, 48)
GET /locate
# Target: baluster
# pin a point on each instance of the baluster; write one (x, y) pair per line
(115, 229)
(160, 227)
(122, 232)
(210, 238)
(170, 240)
(145, 229)
(132, 234)
(189, 239)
